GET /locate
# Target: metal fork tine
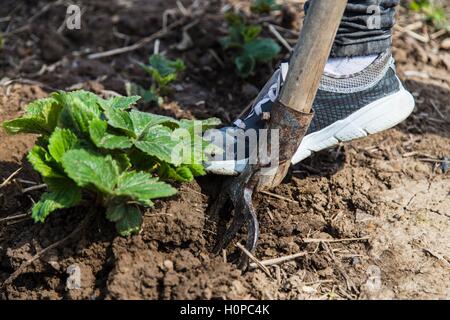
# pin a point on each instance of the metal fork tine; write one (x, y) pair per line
(236, 224)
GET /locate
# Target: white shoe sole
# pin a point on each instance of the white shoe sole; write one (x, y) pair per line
(377, 116)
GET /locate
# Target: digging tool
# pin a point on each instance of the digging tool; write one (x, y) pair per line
(291, 116)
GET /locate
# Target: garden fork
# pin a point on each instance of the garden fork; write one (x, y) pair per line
(291, 116)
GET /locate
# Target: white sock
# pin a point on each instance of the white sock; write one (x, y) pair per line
(348, 65)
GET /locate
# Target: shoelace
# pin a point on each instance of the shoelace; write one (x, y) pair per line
(272, 95)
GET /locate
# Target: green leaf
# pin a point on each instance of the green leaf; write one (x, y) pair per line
(142, 186)
(199, 126)
(61, 141)
(123, 103)
(142, 121)
(192, 145)
(198, 170)
(185, 173)
(158, 142)
(165, 66)
(128, 219)
(120, 119)
(40, 118)
(250, 33)
(235, 39)
(79, 109)
(43, 163)
(98, 130)
(64, 195)
(245, 65)
(162, 70)
(190, 148)
(169, 172)
(82, 148)
(262, 49)
(87, 168)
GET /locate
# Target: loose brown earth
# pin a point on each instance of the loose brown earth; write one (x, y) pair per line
(391, 189)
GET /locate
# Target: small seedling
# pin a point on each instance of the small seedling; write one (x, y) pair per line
(163, 72)
(434, 13)
(107, 153)
(265, 6)
(247, 45)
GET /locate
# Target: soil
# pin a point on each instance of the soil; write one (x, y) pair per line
(372, 216)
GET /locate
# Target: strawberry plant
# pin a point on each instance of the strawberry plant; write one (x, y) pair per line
(247, 45)
(264, 6)
(108, 153)
(163, 72)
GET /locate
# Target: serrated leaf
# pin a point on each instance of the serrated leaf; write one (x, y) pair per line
(250, 33)
(180, 174)
(163, 70)
(159, 142)
(90, 169)
(79, 109)
(198, 170)
(142, 121)
(89, 100)
(190, 136)
(190, 144)
(262, 50)
(128, 219)
(185, 173)
(64, 195)
(40, 118)
(98, 130)
(142, 186)
(42, 162)
(123, 103)
(199, 126)
(120, 119)
(166, 66)
(61, 141)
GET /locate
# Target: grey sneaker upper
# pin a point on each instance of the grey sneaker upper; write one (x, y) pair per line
(337, 98)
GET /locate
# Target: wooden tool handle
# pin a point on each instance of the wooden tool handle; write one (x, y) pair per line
(291, 115)
(311, 54)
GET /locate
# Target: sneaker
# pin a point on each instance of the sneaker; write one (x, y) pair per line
(346, 108)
